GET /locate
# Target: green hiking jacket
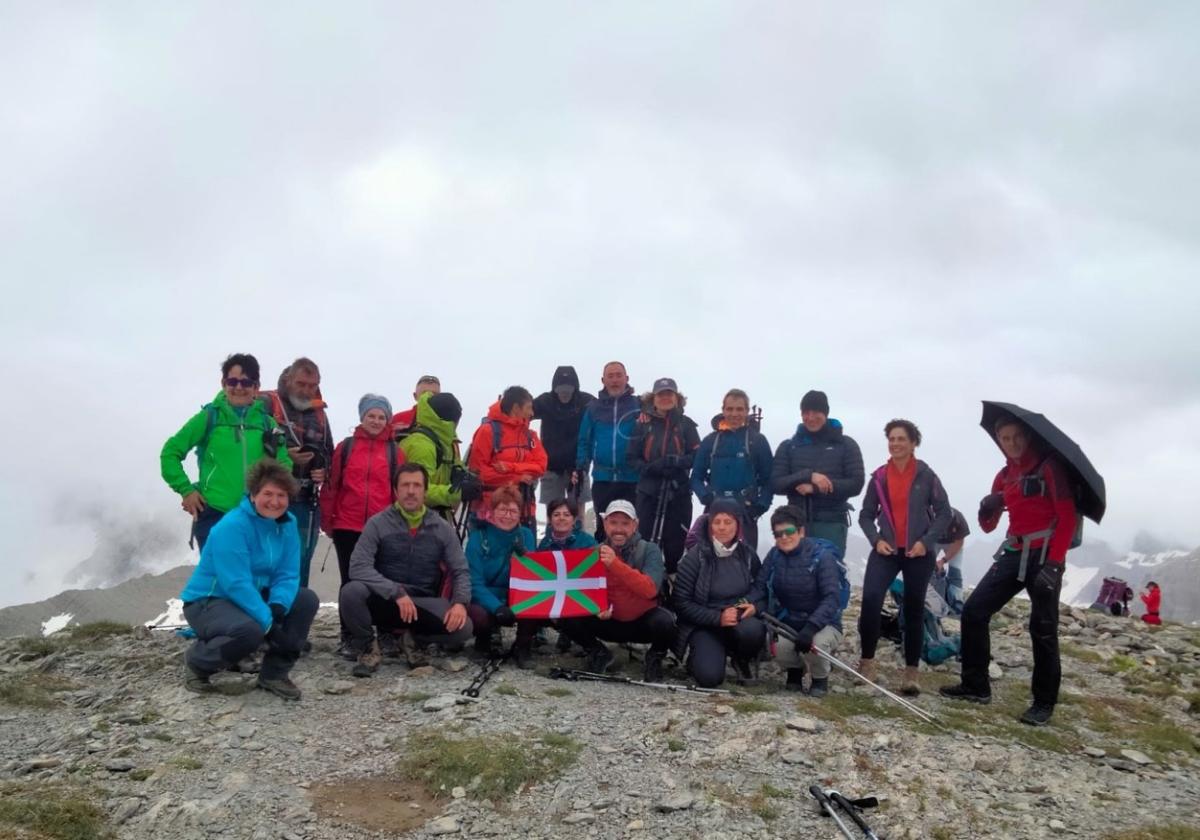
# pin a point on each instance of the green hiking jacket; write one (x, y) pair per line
(234, 444)
(419, 449)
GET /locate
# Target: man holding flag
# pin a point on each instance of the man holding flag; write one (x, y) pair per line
(635, 570)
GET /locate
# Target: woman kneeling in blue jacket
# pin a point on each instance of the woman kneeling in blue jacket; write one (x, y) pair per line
(246, 588)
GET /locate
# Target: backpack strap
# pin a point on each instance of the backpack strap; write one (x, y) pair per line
(439, 449)
(210, 423)
(496, 434)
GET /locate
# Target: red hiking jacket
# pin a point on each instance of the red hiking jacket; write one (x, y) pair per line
(349, 498)
(517, 452)
(1152, 599)
(1030, 514)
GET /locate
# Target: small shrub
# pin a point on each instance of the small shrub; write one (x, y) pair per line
(51, 811)
(676, 745)
(1158, 832)
(33, 690)
(506, 689)
(414, 697)
(184, 762)
(558, 692)
(752, 705)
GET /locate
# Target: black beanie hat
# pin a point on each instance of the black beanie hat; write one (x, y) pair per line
(815, 401)
(446, 406)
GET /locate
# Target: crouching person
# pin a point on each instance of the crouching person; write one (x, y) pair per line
(246, 588)
(635, 571)
(407, 574)
(716, 616)
(800, 584)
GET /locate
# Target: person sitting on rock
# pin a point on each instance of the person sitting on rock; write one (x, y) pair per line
(246, 588)
(489, 550)
(407, 574)
(800, 584)
(711, 598)
(635, 571)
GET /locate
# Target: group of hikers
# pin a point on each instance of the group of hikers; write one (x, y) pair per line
(424, 534)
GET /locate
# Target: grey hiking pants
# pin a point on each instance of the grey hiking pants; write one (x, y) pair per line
(225, 635)
(361, 610)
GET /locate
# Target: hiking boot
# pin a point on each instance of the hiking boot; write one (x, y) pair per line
(795, 679)
(909, 686)
(248, 665)
(745, 674)
(599, 659)
(819, 687)
(305, 649)
(368, 661)
(280, 687)
(523, 655)
(389, 646)
(197, 681)
(563, 645)
(1037, 715)
(866, 667)
(963, 691)
(413, 655)
(652, 667)
(346, 651)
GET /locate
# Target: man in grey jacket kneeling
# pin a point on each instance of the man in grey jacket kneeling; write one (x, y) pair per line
(408, 576)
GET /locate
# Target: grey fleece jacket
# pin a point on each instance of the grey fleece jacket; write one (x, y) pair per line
(393, 561)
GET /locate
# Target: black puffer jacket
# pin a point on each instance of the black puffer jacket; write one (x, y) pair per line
(690, 596)
(831, 453)
(560, 421)
(659, 439)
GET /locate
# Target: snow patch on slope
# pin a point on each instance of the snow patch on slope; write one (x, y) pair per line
(56, 623)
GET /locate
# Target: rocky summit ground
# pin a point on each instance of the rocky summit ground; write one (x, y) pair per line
(99, 739)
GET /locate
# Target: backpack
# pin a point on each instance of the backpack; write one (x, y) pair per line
(496, 435)
(276, 408)
(1112, 591)
(843, 579)
(936, 644)
(271, 435)
(424, 431)
(393, 467)
(1038, 480)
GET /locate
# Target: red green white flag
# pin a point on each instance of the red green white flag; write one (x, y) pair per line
(557, 584)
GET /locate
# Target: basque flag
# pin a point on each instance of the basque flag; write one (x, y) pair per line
(557, 584)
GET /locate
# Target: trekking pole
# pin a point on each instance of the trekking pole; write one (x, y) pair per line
(325, 559)
(589, 676)
(827, 807)
(790, 634)
(529, 520)
(852, 811)
(660, 513)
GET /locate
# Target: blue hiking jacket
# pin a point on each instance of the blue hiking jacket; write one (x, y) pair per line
(805, 586)
(735, 465)
(245, 556)
(489, 551)
(604, 435)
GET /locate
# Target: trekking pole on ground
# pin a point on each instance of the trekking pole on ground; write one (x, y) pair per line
(589, 676)
(853, 812)
(790, 634)
(827, 807)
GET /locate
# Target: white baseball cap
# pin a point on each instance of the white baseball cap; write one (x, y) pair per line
(621, 506)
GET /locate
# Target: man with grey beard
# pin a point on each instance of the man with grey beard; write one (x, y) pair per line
(300, 412)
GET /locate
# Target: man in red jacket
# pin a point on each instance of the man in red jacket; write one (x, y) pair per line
(635, 572)
(408, 417)
(1035, 490)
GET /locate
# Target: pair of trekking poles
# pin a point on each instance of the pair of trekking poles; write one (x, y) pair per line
(831, 800)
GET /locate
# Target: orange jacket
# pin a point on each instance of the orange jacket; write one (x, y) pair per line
(504, 449)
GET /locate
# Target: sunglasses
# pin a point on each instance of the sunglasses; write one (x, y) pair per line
(785, 532)
(243, 382)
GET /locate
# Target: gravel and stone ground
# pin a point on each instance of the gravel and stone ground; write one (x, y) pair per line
(96, 732)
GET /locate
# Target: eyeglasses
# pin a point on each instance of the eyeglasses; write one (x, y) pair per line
(506, 511)
(243, 382)
(785, 532)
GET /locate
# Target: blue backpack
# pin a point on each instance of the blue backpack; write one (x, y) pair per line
(843, 579)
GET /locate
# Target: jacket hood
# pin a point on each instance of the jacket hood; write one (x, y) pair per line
(362, 434)
(831, 432)
(494, 413)
(648, 403)
(564, 375)
(429, 418)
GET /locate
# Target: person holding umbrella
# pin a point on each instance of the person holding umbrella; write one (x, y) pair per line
(1038, 487)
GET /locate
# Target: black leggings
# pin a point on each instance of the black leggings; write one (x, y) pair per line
(711, 645)
(343, 544)
(881, 571)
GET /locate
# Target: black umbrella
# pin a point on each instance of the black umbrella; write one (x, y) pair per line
(1091, 501)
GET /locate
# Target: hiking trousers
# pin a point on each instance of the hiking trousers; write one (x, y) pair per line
(997, 588)
(363, 610)
(343, 546)
(225, 635)
(655, 626)
(835, 532)
(881, 571)
(711, 645)
(676, 520)
(788, 656)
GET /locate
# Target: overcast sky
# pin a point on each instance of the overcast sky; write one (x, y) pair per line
(912, 207)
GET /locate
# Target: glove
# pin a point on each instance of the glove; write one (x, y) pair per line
(805, 638)
(470, 487)
(990, 506)
(505, 617)
(278, 613)
(1049, 579)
